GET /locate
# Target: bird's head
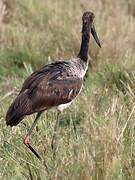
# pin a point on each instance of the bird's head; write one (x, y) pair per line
(88, 23)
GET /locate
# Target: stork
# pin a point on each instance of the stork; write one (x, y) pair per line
(53, 86)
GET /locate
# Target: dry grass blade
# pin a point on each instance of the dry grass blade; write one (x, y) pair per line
(130, 115)
(30, 173)
(7, 95)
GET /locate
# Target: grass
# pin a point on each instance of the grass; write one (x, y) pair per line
(34, 33)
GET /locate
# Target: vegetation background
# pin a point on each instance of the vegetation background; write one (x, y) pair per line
(37, 32)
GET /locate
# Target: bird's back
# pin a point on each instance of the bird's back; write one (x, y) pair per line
(54, 84)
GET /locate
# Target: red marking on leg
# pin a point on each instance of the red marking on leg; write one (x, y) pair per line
(26, 141)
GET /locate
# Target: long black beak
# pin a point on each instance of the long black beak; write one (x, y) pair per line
(94, 34)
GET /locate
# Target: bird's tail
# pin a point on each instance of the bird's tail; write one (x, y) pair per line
(17, 110)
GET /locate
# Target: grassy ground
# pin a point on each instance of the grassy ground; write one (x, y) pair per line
(37, 32)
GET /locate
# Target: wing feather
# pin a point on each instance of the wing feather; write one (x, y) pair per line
(52, 85)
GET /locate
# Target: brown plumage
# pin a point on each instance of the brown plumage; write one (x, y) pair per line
(44, 89)
(53, 86)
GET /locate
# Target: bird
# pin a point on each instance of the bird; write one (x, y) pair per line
(54, 86)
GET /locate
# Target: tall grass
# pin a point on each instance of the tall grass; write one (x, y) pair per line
(101, 147)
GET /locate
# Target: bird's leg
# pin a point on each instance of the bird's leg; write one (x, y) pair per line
(74, 126)
(55, 130)
(26, 140)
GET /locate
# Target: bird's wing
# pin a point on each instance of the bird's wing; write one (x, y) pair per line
(52, 85)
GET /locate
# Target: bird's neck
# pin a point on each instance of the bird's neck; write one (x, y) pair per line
(83, 54)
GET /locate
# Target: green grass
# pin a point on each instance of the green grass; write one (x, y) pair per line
(37, 32)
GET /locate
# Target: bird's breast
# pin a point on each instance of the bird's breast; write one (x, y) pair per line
(61, 107)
